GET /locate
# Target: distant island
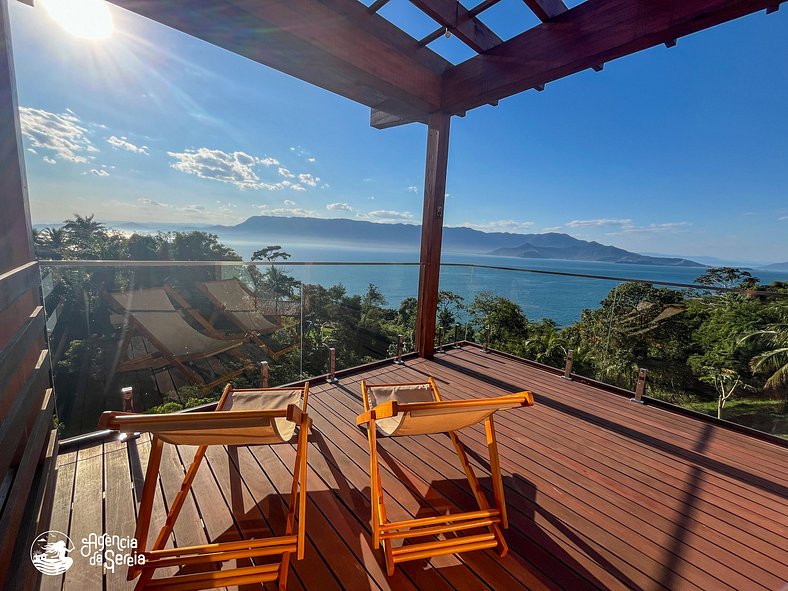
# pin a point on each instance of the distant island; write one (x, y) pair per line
(779, 267)
(553, 245)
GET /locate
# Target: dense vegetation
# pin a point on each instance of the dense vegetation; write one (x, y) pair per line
(723, 352)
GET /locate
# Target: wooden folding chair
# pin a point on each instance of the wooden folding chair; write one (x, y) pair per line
(242, 417)
(415, 409)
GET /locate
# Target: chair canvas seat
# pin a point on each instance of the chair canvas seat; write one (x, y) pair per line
(418, 409)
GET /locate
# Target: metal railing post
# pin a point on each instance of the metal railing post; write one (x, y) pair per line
(440, 339)
(486, 348)
(332, 365)
(264, 374)
(127, 395)
(456, 335)
(569, 364)
(400, 343)
(641, 386)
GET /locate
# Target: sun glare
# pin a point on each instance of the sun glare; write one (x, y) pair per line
(86, 19)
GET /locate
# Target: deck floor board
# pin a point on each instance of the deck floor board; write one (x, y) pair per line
(602, 493)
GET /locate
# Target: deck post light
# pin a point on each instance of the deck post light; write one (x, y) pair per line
(400, 341)
(264, 374)
(641, 386)
(569, 363)
(332, 365)
(127, 398)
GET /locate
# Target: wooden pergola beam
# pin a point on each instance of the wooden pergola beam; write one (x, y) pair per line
(586, 36)
(338, 45)
(468, 29)
(546, 9)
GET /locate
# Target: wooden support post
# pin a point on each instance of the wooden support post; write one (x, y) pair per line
(16, 239)
(432, 231)
(264, 374)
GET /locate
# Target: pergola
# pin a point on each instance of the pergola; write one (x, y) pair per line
(347, 48)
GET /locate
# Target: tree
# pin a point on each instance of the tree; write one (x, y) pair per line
(726, 383)
(270, 253)
(449, 306)
(51, 243)
(774, 360)
(727, 277)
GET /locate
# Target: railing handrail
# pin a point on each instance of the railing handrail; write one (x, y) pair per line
(129, 263)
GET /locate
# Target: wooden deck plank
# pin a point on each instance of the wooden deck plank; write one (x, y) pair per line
(61, 508)
(86, 518)
(602, 493)
(119, 512)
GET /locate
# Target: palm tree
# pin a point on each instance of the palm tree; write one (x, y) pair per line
(51, 243)
(775, 359)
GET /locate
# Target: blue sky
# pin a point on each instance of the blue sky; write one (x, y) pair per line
(676, 151)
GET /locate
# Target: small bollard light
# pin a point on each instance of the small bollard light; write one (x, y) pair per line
(640, 389)
(264, 374)
(569, 363)
(400, 343)
(332, 365)
(127, 398)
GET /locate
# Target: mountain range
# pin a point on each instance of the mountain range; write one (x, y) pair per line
(340, 231)
(376, 236)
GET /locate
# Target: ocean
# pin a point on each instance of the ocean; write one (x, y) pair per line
(556, 297)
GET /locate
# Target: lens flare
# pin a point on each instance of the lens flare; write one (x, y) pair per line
(86, 19)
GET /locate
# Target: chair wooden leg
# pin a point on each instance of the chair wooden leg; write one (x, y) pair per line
(478, 493)
(180, 499)
(495, 471)
(376, 488)
(146, 502)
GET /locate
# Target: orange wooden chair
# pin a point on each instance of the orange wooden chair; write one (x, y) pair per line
(394, 410)
(242, 417)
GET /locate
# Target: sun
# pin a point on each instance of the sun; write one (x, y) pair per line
(86, 19)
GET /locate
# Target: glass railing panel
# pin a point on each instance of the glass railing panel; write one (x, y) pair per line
(160, 337)
(706, 348)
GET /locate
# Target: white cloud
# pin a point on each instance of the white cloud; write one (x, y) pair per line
(99, 172)
(49, 160)
(500, 226)
(598, 223)
(235, 168)
(670, 227)
(224, 211)
(311, 160)
(387, 216)
(552, 229)
(339, 207)
(307, 179)
(294, 212)
(285, 173)
(123, 144)
(783, 218)
(288, 202)
(62, 134)
(32, 151)
(412, 189)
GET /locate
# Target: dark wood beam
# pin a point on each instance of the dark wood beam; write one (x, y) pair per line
(16, 242)
(338, 45)
(546, 9)
(468, 29)
(590, 34)
(432, 231)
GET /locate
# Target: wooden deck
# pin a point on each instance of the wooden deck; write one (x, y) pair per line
(602, 493)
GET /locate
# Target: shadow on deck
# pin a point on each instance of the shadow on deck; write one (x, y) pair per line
(602, 493)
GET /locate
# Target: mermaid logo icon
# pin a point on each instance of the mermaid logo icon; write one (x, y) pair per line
(49, 553)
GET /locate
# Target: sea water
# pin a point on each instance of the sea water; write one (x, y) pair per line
(556, 297)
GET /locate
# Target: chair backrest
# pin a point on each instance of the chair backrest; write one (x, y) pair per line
(448, 416)
(212, 428)
(231, 293)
